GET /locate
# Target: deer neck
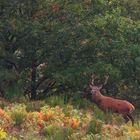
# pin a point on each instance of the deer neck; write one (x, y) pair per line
(97, 98)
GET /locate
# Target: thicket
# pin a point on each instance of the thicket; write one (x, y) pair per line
(53, 46)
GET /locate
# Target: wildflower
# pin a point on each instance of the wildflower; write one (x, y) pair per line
(75, 123)
(3, 134)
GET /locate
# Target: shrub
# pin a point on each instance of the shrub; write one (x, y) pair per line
(50, 130)
(18, 117)
(95, 126)
(34, 106)
(56, 132)
(55, 100)
(103, 116)
(81, 103)
(18, 113)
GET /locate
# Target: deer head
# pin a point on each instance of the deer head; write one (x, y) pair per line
(94, 88)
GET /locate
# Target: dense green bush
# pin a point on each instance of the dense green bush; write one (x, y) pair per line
(48, 47)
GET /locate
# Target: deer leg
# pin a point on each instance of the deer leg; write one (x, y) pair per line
(131, 118)
(126, 118)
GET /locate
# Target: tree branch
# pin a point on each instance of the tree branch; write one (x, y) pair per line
(50, 85)
(40, 81)
(12, 63)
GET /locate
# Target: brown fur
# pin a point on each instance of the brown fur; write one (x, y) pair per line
(106, 103)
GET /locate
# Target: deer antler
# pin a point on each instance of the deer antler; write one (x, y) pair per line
(106, 79)
(105, 82)
(93, 77)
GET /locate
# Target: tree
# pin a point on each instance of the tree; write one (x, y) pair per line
(56, 45)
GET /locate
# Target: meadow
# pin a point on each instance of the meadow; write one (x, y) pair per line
(52, 119)
(54, 48)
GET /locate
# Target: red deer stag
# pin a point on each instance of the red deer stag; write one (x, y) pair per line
(106, 103)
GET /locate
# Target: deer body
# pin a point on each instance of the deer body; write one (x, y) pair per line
(106, 103)
(115, 105)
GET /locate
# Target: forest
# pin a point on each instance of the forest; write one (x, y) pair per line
(49, 51)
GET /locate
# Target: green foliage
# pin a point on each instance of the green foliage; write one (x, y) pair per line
(73, 39)
(17, 113)
(49, 130)
(55, 100)
(18, 118)
(95, 126)
(34, 106)
(81, 103)
(14, 93)
(54, 132)
(103, 116)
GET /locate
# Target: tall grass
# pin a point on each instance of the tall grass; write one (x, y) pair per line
(55, 100)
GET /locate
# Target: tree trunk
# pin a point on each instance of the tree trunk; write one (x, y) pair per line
(1, 92)
(33, 83)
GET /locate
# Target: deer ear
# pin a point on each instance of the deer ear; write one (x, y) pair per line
(100, 87)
